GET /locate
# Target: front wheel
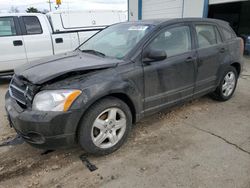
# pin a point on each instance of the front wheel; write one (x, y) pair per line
(227, 86)
(105, 126)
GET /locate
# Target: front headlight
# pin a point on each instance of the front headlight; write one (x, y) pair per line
(55, 100)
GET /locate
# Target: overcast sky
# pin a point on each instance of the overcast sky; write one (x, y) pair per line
(22, 5)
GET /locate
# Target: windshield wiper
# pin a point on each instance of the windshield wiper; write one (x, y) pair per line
(94, 52)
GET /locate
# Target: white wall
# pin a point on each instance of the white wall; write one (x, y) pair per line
(223, 1)
(153, 9)
(193, 8)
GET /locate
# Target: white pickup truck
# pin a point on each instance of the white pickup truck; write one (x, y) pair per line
(31, 36)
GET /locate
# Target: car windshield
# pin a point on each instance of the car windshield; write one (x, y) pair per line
(115, 41)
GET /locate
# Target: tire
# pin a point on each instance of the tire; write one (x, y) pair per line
(220, 94)
(99, 125)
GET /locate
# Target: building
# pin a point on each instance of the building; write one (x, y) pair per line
(236, 12)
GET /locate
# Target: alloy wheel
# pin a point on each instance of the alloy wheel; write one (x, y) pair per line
(109, 128)
(228, 84)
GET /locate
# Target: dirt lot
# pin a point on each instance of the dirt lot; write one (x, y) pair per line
(201, 144)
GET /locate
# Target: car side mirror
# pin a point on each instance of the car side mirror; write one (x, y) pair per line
(154, 55)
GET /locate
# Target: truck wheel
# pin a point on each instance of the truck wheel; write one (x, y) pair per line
(227, 86)
(105, 126)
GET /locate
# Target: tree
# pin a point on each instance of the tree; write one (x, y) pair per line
(32, 9)
(13, 9)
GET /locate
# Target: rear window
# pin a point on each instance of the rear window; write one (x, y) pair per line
(32, 25)
(228, 34)
(207, 35)
(7, 26)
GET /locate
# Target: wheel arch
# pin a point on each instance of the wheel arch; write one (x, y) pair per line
(127, 100)
(222, 68)
(237, 66)
(121, 96)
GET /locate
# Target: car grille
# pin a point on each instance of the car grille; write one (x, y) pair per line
(19, 91)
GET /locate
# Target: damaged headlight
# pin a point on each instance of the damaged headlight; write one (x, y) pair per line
(55, 100)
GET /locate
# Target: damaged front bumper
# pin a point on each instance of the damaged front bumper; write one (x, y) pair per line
(45, 130)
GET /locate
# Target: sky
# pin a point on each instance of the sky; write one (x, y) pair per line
(22, 5)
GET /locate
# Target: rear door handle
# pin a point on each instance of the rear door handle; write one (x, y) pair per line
(189, 59)
(17, 43)
(222, 50)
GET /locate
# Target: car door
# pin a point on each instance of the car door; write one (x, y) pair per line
(65, 42)
(170, 80)
(210, 50)
(37, 39)
(12, 51)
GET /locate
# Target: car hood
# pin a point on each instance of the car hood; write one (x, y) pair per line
(41, 71)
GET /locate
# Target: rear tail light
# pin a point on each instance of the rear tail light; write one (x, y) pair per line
(241, 46)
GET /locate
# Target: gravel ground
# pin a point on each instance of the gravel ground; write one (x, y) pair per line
(203, 143)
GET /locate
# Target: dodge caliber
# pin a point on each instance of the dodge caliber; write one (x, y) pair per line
(93, 95)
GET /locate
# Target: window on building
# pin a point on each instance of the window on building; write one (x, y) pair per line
(7, 26)
(207, 35)
(174, 41)
(32, 25)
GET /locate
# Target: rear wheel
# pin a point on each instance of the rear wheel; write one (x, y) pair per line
(227, 86)
(105, 126)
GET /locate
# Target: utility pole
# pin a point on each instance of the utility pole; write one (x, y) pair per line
(50, 9)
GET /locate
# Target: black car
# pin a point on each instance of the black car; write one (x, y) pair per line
(93, 95)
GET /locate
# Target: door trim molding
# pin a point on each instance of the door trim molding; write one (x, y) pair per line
(169, 93)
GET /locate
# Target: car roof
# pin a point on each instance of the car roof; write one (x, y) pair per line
(179, 20)
(18, 14)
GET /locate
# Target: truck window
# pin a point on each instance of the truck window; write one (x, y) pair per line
(32, 25)
(207, 35)
(7, 26)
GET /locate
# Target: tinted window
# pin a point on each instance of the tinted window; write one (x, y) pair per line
(174, 41)
(32, 25)
(7, 27)
(228, 34)
(207, 35)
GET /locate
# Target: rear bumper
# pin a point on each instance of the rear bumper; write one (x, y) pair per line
(45, 130)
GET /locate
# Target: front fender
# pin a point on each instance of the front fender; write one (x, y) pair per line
(98, 91)
(106, 88)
